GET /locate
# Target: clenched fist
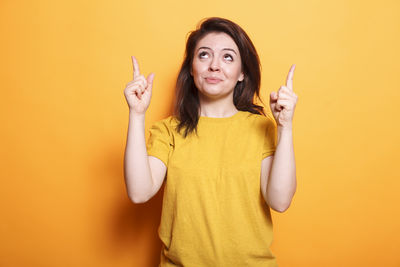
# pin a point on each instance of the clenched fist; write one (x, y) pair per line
(138, 91)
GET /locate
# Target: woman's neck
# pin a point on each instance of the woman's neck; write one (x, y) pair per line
(217, 108)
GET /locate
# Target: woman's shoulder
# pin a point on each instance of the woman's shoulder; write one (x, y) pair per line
(169, 123)
(258, 118)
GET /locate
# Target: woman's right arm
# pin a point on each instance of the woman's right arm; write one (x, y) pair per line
(144, 174)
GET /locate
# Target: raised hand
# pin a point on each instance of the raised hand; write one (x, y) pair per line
(138, 91)
(283, 102)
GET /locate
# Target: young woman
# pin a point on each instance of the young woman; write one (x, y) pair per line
(224, 162)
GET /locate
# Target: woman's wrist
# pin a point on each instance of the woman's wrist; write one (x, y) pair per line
(284, 131)
(136, 116)
(285, 128)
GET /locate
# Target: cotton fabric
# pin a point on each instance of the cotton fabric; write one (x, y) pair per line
(213, 211)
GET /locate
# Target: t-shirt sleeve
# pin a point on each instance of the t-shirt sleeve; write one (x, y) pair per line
(269, 137)
(159, 143)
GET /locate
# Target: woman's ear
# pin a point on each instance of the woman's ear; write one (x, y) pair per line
(241, 77)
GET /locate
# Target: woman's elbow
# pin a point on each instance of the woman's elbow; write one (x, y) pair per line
(280, 205)
(280, 208)
(138, 198)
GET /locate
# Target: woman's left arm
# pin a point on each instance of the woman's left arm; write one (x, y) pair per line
(278, 172)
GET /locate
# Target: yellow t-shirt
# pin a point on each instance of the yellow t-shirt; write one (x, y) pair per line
(213, 211)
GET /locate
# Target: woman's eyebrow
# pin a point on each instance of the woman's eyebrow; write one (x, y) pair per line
(229, 49)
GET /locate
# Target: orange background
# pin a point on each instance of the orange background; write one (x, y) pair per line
(64, 118)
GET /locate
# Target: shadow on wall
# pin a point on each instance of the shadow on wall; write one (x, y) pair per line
(121, 231)
(135, 227)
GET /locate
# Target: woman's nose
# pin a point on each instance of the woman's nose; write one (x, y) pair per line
(214, 65)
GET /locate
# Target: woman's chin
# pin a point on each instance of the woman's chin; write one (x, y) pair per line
(215, 94)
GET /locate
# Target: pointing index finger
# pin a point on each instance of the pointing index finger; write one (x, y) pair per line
(136, 71)
(289, 80)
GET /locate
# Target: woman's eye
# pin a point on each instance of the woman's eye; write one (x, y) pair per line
(228, 57)
(203, 55)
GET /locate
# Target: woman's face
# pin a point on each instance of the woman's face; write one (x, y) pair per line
(217, 66)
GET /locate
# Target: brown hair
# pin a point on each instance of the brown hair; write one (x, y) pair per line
(245, 93)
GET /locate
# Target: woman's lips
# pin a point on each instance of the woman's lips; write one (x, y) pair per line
(213, 80)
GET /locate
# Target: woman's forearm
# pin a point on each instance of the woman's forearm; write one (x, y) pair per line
(282, 179)
(136, 164)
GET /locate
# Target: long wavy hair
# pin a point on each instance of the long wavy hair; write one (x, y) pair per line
(246, 92)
